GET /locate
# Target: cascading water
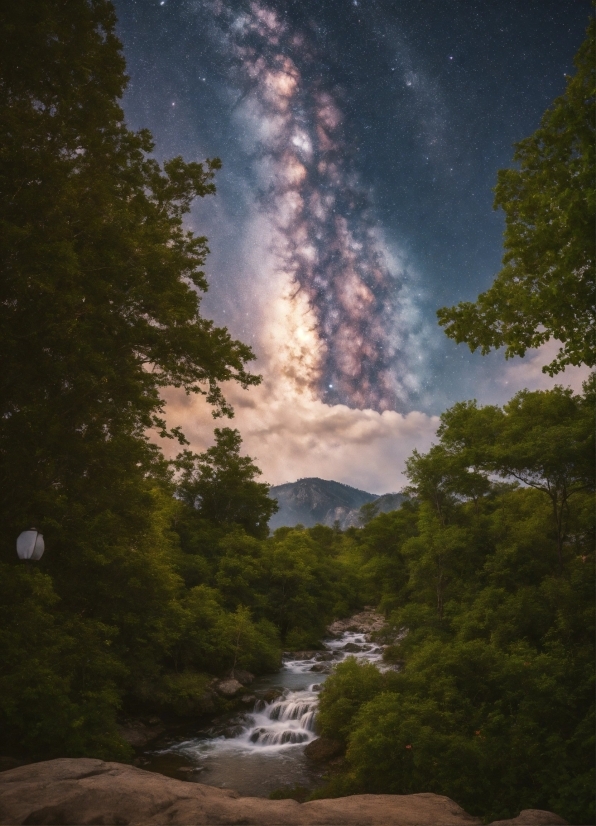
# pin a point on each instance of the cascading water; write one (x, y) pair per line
(263, 749)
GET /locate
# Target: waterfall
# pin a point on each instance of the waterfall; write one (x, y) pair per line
(263, 747)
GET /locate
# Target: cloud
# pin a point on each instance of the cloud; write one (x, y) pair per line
(527, 372)
(292, 434)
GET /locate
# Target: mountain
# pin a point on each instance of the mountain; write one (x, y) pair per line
(311, 501)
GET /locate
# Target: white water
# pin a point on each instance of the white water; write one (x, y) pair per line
(263, 749)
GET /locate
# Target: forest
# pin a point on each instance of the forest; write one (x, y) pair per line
(160, 575)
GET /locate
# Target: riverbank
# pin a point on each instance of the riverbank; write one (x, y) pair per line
(262, 744)
(85, 791)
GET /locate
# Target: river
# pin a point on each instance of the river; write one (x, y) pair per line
(262, 749)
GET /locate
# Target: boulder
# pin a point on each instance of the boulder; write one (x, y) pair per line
(228, 688)
(138, 734)
(321, 668)
(85, 791)
(323, 749)
(271, 695)
(532, 817)
(351, 648)
(244, 677)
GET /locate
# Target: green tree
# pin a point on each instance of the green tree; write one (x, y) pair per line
(220, 485)
(543, 439)
(99, 311)
(546, 287)
(99, 303)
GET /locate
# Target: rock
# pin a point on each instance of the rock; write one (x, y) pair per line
(271, 695)
(228, 688)
(138, 734)
(321, 668)
(323, 749)
(365, 622)
(351, 648)
(301, 655)
(85, 791)
(248, 698)
(244, 677)
(532, 817)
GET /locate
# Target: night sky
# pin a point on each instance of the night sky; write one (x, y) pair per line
(360, 143)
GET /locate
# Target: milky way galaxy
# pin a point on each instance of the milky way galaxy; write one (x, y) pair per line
(350, 332)
(360, 143)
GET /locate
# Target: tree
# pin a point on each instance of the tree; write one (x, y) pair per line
(99, 303)
(220, 484)
(546, 287)
(99, 310)
(546, 441)
(543, 439)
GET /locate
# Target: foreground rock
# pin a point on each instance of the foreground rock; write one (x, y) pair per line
(84, 791)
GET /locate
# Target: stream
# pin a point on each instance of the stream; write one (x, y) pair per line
(262, 749)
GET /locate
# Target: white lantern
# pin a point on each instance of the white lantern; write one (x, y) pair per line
(30, 545)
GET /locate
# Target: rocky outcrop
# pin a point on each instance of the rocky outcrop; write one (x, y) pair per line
(228, 688)
(85, 791)
(366, 622)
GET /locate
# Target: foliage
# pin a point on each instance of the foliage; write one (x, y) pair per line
(220, 484)
(349, 687)
(58, 684)
(145, 592)
(546, 287)
(493, 704)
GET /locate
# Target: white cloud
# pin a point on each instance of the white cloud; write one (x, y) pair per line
(527, 372)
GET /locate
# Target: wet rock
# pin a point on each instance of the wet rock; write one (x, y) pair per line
(228, 688)
(321, 668)
(323, 749)
(351, 648)
(325, 656)
(248, 698)
(301, 655)
(271, 695)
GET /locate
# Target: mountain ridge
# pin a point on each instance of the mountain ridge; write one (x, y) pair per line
(311, 500)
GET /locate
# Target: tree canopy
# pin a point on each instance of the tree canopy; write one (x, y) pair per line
(546, 288)
(220, 484)
(99, 303)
